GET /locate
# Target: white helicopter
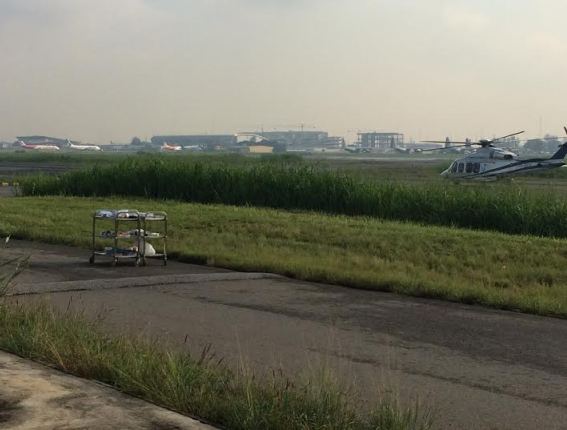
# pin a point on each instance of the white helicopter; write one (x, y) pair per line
(490, 162)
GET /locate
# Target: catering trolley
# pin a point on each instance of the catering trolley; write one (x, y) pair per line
(127, 230)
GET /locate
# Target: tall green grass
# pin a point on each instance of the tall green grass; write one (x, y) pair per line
(284, 185)
(9, 269)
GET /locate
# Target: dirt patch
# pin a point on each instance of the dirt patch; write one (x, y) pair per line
(164, 426)
(9, 409)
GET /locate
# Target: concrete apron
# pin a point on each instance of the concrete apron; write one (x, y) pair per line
(37, 397)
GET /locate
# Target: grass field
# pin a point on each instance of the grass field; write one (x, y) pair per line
(60, 157)
(514, 272)
(195, 385)
(90, 158)
(412, 168)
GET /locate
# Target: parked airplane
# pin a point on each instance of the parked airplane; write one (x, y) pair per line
(194, 148)
(79, 147)
(170, 148)
(250, 138)
(38, 147)
(407, 150)
(356, 149)
(490, 162)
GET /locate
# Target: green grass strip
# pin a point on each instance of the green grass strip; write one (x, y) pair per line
(522, 273)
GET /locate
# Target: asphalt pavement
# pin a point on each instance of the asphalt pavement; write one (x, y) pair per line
(476, 368)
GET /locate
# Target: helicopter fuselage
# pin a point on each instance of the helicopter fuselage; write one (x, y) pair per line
(490, 163)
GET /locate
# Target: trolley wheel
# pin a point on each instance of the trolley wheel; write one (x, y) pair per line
(91, 259)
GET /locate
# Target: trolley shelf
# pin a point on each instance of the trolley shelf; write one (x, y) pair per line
(138, 235)
(118, 255)
(154, 218)
(131, 236)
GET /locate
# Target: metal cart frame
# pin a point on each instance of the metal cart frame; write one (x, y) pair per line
(148, 218)
(142, 220)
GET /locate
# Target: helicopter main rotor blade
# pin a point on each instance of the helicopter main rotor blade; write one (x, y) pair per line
(504, 137)
(451, 142)
(446, 147)
(565, 128)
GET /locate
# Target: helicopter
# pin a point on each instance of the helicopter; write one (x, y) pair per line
(491, 163)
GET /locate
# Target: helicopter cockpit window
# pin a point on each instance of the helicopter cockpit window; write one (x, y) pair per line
(454, 167)
(461, 167)
(469, 167)
(476, 168)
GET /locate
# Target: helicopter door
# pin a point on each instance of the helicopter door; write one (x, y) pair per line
(461, 168)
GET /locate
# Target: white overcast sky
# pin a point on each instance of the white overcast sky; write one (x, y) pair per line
(112, 69)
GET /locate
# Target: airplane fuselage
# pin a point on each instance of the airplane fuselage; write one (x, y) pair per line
(41, 147)
(171, 148)
(85, 147)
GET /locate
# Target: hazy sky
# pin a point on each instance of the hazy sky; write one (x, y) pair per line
(111, 69)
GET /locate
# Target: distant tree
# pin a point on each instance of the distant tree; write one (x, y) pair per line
(136, 141)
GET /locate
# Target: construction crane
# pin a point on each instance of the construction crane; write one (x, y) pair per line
(301, 126)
